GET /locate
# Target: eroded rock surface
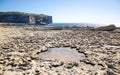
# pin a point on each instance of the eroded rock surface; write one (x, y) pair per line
(20, 49)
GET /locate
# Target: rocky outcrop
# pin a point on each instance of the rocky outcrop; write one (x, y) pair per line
(106, 28)
(20, 50)
(19, 17)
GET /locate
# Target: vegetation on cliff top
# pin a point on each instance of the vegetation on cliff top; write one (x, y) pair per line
(22, 13)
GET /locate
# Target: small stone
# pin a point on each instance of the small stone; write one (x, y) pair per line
(43, 49)
(49, 46)
(66, 45)
(111, 73)
(81, 51)
(70, 65)
(57, 63)
(73, 46)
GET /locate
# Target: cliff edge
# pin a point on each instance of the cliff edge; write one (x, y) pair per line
(28, 18)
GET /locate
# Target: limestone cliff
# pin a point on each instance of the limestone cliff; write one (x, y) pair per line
(20, 17)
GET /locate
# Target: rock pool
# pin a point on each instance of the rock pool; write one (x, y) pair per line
(62, 54)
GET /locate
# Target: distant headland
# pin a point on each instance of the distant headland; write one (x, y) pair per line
(26, 18)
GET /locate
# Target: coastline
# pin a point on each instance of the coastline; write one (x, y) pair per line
(20, 49)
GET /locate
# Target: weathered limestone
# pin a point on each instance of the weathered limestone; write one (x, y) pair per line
(27, 18)
(20, 49)
(106, 28)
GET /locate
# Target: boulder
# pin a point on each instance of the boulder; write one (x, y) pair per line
(106, 28)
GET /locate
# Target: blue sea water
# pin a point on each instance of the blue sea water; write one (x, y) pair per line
(74, 24)
(68, 24)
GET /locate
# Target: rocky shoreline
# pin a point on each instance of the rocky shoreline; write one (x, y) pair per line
(20, 49)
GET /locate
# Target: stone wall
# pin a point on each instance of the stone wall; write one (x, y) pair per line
(18, 17)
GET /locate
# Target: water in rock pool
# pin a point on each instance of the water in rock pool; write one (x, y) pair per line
(62, 54)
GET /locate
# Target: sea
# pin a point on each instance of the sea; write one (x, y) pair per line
(74, 24)
(68, 25)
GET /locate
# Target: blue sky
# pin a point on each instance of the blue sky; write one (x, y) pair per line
(85, 11)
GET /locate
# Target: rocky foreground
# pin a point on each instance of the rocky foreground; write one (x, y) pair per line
(20, 49)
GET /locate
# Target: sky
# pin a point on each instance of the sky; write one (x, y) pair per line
(69, 11)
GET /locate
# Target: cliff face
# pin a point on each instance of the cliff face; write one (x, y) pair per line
(18, 17)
